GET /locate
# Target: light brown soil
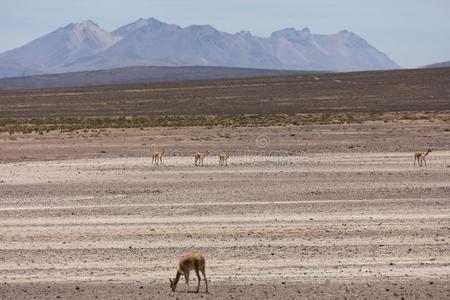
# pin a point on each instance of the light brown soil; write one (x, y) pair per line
(338, 218)
(287, 140)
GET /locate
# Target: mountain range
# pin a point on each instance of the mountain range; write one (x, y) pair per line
(445, 64)
(85, 46)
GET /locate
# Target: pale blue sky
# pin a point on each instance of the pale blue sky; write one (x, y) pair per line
(411, 32)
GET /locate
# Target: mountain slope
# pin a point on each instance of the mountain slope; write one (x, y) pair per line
(10, 68)
(65, 44)
(445, 64)
(135, 75)
(149, 42)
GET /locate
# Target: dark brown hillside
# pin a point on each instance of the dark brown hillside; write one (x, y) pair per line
(381, 91)
(135, 75)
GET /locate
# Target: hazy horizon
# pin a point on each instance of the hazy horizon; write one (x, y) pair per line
(412, 33)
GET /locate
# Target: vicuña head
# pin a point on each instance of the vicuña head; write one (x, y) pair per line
(191, 261)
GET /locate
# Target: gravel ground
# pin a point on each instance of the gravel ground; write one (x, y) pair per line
(317, 225)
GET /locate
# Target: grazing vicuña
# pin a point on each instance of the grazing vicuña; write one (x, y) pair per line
(191, 261)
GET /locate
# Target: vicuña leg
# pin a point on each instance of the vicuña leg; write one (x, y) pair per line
(199, 279)
(204, 277)
(186, 277)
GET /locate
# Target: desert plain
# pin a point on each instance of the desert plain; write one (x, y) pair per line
(320, 210)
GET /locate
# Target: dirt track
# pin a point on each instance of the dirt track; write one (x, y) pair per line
(364, 224)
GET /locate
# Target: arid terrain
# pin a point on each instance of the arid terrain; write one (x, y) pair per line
(333, 210)
(329, 217)
(370, 92)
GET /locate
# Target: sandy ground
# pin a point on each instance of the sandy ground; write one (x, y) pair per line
(335, 224)
(291, 140)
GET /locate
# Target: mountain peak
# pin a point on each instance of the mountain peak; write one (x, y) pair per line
(349, 35)
(292, 34)
(88, 23)
(244, 33)
(207, 28)
(306, 30)
(87, 32)
(65, 44)
(344, 32)
(352, 38)
(154, 20)
(83, 24)
(150, 23)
